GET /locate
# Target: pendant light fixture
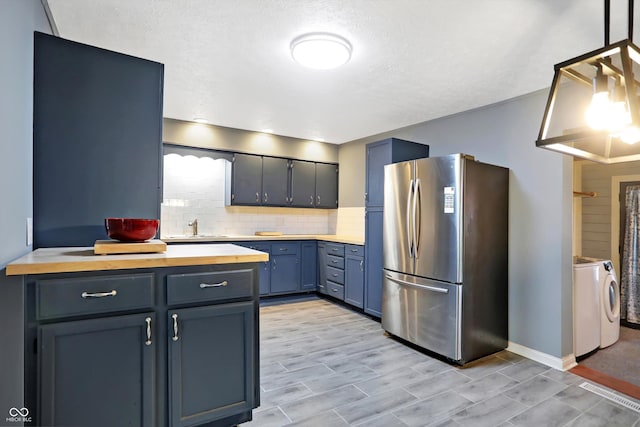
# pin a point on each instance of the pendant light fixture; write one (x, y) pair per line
(593, 109)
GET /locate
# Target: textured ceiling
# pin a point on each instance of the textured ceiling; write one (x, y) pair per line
(412, 61)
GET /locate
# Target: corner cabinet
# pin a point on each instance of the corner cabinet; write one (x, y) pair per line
(379, 154)
(175, 346)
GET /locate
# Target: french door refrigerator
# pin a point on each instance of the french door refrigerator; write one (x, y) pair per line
(445, 255)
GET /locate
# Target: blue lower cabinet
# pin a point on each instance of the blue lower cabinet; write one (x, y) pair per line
(97, 372)
(209, 346)
(354, 276)
(322, 267)
(373, 262)
(285, 267)
(177, 349)
(309, 267)
(265, 267)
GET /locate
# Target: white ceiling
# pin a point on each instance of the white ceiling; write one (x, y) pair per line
(412, 61)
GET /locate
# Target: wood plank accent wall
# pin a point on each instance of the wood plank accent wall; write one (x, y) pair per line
(596, 211)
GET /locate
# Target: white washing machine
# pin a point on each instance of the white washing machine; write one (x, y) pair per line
(588, 273)
(609, 291)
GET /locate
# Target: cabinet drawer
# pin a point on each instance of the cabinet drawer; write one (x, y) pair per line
(335, 249)
(355, 250)
(335, 261)
(285, 248)
(335, 275)
(210, 286)
(88, 295)
(335, 290)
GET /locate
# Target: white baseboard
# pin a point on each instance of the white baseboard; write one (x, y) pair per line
(562, 364)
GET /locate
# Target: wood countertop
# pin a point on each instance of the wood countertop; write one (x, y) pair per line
(71, 259)
(352, 240)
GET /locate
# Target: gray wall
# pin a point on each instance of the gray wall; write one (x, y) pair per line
(18, 20)
(229, 139)
(540, 209)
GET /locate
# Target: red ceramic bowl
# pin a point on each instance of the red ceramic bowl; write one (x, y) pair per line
(131, 229)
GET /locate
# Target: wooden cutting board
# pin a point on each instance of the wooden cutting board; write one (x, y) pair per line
(268, 233)
(106, 247)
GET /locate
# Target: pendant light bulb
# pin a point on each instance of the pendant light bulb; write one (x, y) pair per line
(631, 135)
(598, 111)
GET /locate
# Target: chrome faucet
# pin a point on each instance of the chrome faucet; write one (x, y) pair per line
(194, 227)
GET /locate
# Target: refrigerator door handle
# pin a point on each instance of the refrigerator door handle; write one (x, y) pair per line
(415, 285)
(409, 219)
(416, 218)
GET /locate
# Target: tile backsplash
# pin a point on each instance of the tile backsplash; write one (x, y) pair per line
(194, 188)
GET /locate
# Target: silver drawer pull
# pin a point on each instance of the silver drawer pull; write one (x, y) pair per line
(284, 249)
(334, 261)
(213, 285)
(335, 274)
(113, 293)
(175, 327)
(148, 341)
(334, 290)
(354, 250)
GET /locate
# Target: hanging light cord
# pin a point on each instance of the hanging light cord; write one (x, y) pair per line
(630, 20)
(607, 20)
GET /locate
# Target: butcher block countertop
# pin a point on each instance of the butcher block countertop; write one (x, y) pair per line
(71, 259)
(337, 238)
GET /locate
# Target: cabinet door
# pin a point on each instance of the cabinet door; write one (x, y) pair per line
(309, 267)
(246, 180)
(275, 176)
(98, 372)
(285, 273)
(326, 186)
(354, 280)
(378, 155)
(303, 184)
(322, 267)
(264, 270)
(211, 362)
(373, 263)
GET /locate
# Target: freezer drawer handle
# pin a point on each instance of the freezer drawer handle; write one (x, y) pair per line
(429, 288)
(213, 285)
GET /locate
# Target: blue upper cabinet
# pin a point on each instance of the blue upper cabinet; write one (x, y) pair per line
(275, 181)
(275, 178)
(303, 184)
(391, 150)
(326, 186)
(97, 140)
(246, 179)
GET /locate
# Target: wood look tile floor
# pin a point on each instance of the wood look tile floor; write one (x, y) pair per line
(325, 365)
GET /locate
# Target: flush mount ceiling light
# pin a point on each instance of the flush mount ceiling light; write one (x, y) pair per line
(593, 109)
(320, 50)
(200, 120)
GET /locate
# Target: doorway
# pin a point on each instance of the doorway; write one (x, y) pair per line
(597, 223)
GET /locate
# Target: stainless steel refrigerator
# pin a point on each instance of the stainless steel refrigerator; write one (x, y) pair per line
(445, 246)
